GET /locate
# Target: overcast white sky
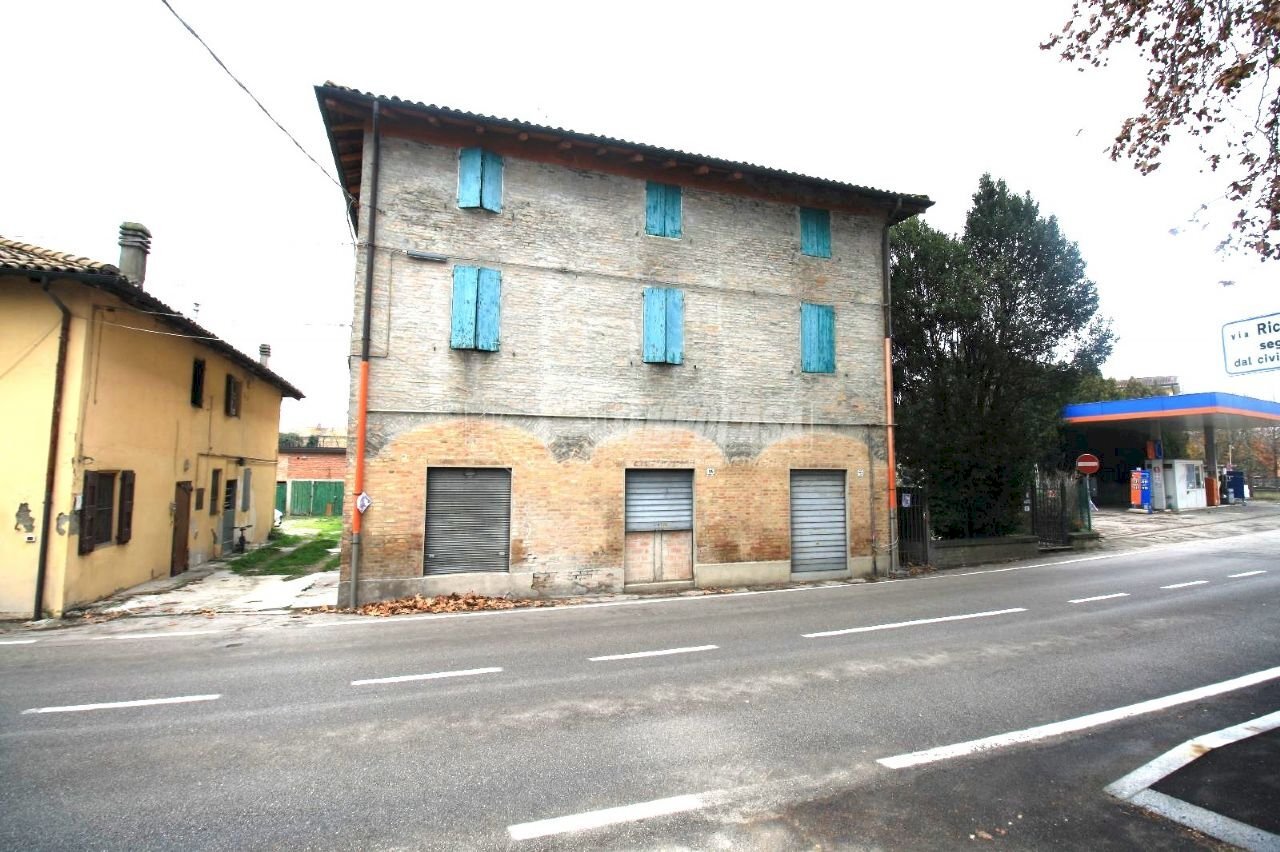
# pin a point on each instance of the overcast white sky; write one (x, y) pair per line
(119, 114)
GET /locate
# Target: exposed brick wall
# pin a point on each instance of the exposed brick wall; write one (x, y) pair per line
(300, 464)
(567, 402)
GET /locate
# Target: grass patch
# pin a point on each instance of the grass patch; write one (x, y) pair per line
(299, 546)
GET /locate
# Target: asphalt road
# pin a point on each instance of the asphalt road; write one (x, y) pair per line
(764, 731)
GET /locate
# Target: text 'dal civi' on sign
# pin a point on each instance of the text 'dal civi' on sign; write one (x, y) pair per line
(1251, 345)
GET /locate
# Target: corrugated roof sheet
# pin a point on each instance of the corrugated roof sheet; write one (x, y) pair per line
(26, 260)
(914, 203)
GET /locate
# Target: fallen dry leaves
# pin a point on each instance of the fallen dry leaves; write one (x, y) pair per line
(469, 602)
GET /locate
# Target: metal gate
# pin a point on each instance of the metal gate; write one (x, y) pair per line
(818, 541)
(659, 526)
(468, 520)
(1053, 501)
(913, 526)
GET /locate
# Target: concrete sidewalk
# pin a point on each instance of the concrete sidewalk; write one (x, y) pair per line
(215, 588)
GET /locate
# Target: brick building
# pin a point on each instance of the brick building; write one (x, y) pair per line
(594, 364)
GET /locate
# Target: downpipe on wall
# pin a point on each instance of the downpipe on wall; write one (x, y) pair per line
(362, 394)
(51, 467)
(891, 483)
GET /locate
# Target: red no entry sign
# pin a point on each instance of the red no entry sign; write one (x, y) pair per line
(1087, 464)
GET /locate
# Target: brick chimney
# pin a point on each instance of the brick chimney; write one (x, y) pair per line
(135, 245)
(264, 354)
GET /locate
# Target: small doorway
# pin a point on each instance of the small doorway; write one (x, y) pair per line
(228, 538)
(468, 520)
(659, 526)
(181, 528)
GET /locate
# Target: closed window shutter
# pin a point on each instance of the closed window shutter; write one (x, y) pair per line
(655, 211)
(815, 232)
(466, 281)
(88, 512)
(672, 212)
(488, 309)
(124, 527)
(197, 383)
(248, 489)
(491, 181)
(817, 338)
(470, 165)
(655, 325)
(675, 327)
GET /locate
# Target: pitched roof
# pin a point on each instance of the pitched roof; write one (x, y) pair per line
(339, 105)
(29, 261)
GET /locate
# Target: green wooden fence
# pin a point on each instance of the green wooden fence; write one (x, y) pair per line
(310, 497)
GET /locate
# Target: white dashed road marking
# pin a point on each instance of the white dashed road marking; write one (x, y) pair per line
(639, 654)
(431, 676)
(1246, 574)
(1080, 723)
(607, 816)
(18, 641)
(113, 705)
(898, 624)
(1100, 598)
(1184, 585)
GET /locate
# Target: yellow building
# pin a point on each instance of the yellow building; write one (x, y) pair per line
(136, 443)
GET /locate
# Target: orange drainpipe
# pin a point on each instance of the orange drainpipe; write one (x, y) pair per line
(362, 394)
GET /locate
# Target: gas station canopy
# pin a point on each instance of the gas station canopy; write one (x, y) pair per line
(1189, 411)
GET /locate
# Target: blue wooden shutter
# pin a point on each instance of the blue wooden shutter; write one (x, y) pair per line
(815, 232)
(466, 281)
(817, 338)
(470, 168)
(491, 181)
(488, 304)
(672, 213)
(675, 327)
(655, 325)
(655, 212)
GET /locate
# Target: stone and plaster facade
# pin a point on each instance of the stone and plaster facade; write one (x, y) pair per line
(567, 403)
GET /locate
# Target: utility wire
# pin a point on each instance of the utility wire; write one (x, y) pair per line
(254, 98)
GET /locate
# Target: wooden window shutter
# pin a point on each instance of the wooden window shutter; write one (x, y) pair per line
(672, 213)
(675, 327)
(215, 492)
(488, 308)
(124, 527)
(88, 511)
(655, 325)
(817, 338)
(466, 284)
(655, 210)
(247, 487)
(815, 232)
(470, 166)
(491, 181)
(197, 383)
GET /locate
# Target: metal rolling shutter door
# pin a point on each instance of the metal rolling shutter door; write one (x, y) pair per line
(468, 520)
(659, 500)
(818, 521)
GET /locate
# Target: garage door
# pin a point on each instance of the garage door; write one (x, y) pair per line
(659, 500)
(818, 521)
(468, 520)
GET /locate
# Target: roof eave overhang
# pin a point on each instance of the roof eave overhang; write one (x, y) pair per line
(338, 102)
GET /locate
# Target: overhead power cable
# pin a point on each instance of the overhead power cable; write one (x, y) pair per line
(254, 98)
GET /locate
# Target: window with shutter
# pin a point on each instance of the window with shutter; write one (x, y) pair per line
(480, 179)
(124, 530)
(815, 232)
(663, 325)
(231, 402)
(215, 488)
(197, 383)
(662, 210)
(817, 338)
(477, 302)
(246, 489)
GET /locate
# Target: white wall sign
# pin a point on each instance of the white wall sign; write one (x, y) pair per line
(1251, 345)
